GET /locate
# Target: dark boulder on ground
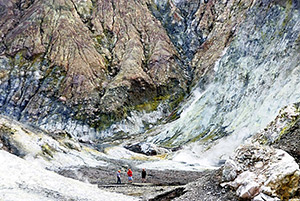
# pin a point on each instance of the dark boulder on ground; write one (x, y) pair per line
(148, 149)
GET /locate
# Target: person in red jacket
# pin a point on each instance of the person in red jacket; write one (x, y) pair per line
(129, 173)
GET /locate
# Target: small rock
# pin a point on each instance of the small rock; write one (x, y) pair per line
(148, 149)
(248, 191)
(63, 98)
(259, 164)
(264, 197)
(229, 171)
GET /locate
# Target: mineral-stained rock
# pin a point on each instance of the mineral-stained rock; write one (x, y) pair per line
(285, 120)
(80, 62)
(230, 170)
(201, 30)
(243, 91)
(277, 174)
(68, 64)
(219, 22)
(284, 131)
(248, 190)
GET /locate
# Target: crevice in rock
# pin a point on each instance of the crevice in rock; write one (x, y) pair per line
(170, 195)
(114, 12)
(24, 4)
(180, 29)
(36, 92)
(86, 21)
(146, 50)
(8, 89)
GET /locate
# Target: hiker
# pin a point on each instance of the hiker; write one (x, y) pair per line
(144, 175)
(129, 173)
(119, 177)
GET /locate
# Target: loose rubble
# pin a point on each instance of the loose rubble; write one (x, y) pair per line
(257, 171)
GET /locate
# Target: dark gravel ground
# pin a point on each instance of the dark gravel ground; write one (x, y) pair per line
(207, 188)
(160, 185)
(107, 176)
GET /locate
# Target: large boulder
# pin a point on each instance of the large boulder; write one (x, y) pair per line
(256, 169)
(148, 149)
(283, 132)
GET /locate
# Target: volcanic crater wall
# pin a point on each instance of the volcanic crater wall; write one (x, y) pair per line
(81, 65)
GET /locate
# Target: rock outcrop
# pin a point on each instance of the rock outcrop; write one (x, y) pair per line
(148, 149)
(252, 79)
(267, 166)
(71, 64)
(255, 170)
(283, 132)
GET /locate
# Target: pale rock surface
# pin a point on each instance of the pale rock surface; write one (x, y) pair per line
(147, 149)
(45, 150)
(22, 180)
(261, 169)
(277, 127)
(264, 197)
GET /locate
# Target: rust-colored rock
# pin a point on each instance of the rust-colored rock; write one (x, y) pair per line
(219, 21)
(98, 55)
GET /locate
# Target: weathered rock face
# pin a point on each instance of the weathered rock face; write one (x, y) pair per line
(283, 132)
(220, 23)
(260, 171)
(255, 170)
(285, 120)
(201, 30)
(252, 80)
(72, 64)
(80, 65)
(181, 21)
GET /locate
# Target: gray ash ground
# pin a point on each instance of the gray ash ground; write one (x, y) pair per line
(161, 185)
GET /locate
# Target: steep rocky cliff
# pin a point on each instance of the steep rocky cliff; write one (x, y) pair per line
(83, 64)
(181, 82)
(254, 76)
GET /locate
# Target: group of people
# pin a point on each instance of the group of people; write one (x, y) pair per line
(129, 174)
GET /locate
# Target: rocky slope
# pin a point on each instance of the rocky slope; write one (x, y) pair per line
(255, 76)
(201, 30)
(82, 65)
(254, 171)
(107, 72)
(73, 64)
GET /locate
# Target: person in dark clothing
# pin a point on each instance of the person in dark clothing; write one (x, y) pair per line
(119, 177)
(144, 173)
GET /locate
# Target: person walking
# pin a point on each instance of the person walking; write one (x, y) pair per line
(129, 174)
(144, 173)
(119, 177)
